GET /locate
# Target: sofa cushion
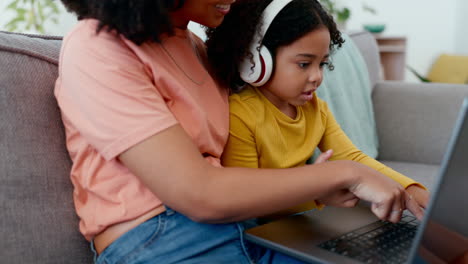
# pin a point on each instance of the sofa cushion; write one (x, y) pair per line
(449, 68)
(415, 120)
(38, 223)
(426, 174)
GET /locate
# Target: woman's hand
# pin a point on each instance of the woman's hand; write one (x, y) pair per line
(341, 198)
(391, 207)
(388, 198)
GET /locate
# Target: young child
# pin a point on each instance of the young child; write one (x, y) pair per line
(276, 56)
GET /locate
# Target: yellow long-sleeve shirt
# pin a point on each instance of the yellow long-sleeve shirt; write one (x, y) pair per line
(261, 136)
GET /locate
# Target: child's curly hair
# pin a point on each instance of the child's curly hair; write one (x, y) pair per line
(137, 20)
(228, 44)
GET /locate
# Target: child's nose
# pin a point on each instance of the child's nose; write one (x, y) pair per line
(315, 76)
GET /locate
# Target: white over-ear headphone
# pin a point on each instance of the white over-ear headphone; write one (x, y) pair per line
(258, 71)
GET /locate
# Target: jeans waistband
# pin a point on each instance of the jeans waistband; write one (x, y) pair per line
(169, 211)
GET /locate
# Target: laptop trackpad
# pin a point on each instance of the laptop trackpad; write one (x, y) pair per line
(316, 225)
(304, 232)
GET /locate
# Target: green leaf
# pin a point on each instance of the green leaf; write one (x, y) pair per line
(419, 76)
(344, 14)
(32, 14)
(21, 11)
(12, 27)
(341, 14)
(328, 5)
(52, 5)
(14, 21)
(40, 28)
(13, 5)
(40, 11)
(30, 19)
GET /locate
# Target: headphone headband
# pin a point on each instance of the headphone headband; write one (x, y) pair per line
(268, 15)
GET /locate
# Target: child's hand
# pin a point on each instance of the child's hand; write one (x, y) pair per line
(342, 198)
(324, 156)
(420, 195)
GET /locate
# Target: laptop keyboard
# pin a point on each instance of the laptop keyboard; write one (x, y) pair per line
(379, 242)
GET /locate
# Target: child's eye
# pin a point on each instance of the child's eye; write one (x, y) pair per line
(323, 64)
(303, 65)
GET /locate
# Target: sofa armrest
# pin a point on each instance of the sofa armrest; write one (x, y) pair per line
(415, 120)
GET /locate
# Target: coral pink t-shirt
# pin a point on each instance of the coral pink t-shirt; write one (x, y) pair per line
(114, 94)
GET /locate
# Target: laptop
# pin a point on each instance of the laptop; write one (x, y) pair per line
(356, 235)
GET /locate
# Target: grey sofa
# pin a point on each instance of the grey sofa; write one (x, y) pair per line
(38, 223)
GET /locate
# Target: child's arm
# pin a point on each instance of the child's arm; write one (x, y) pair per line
(344, 149)
(335, 138)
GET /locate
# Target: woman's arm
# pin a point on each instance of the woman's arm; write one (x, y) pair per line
(171, 166)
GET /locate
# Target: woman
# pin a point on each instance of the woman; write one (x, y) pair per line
(146, 125)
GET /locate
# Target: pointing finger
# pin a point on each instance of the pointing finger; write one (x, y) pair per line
(414, 207)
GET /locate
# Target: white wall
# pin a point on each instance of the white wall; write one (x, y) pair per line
(461, 41)
(432, 27)
(197, 29)
(4, 15)
(67, 21)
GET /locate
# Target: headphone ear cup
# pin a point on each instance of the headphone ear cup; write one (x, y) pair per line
(249, 68)
(267, 66)
(258, 71)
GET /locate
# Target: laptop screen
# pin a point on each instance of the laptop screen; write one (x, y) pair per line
(445, 235)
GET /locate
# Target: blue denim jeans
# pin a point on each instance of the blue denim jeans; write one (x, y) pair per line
(171, 237)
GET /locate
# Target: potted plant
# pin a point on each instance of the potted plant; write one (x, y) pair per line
(340, 13)
(373, 27)
(31, 15)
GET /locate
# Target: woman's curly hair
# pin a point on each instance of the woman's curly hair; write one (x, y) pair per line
(137, 20)
(229, 43)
